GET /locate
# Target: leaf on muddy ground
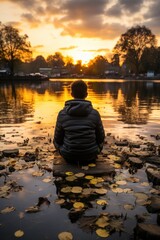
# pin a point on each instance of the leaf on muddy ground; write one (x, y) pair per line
(19, 233)
(78, 205)
(65, 236)
(102, 233)
(7, 210)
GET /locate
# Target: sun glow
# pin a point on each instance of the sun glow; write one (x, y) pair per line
(83, 56)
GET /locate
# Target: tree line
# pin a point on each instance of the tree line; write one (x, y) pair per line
(136, 52)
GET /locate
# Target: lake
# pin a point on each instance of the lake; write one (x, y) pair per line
(28, 111)
(127, 108)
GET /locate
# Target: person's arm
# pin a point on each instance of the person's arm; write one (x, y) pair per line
(100, 133)
(58, 134)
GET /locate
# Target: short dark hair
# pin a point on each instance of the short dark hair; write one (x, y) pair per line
(79, 89)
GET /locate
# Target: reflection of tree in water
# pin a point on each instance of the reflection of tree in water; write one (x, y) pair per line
(131, 99)
(13, 108)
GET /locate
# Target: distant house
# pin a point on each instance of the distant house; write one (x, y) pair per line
(150, 74)
(46, 71)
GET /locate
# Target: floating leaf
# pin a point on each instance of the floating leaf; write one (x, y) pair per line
(19, 233)
(32, 209)
(79, 175)
(7, 210)
(37, 174)
(145, 184)
(60, 201)
(87, 191)
(117, 190)
(85, 168)
(92, 165)
(71, 178)
(101, 191)
(89, 177)
(69, 173)
(128, 207)
(127, 190)
(114, 158)
(102, 222)
(133, 179)
(66, 189)
(78, 205)
(47, 180)
(93, 181)
(102, 233)
(142, 198)
(122, 182)
(76, 189)
(102, 202)
(65, 236)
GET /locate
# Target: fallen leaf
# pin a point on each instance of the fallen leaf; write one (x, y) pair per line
(78, 205)
(76, 189)
(79, 175)
(69, 173)
(66, 189)
(122, 182)
(19, 233)
(89, 177)
(71, 178)
(32, 209)
(92, 165)
(102, 222)
(102, 233)
(7, 210)
(60, 201)
(102, 202)
(65, 236)
(101, 191)
(128, 207)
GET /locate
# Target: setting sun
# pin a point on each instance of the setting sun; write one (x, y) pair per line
(84, 56)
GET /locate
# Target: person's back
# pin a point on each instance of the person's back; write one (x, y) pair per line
(79, 132)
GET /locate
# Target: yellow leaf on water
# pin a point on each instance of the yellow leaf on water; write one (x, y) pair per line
(117, 190)
(78, 205)
(47, 180)
(7, 210)
(121, 182)
(102, 202)
(79, 175)
(101, 191)
(60, 201)
(71, 178)
(102, 233)
(76, 189)
(102, 222)
(37, 174)
(66, 189)
(89, 177)
(128, 207)
(93, 181)
(19, 233)
(69, 173)
(92, 165)
(65, 236)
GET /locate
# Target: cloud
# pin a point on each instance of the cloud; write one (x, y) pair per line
(98, 50)
(38, 46)
(34, 22)
(67, 48)
(103, 19)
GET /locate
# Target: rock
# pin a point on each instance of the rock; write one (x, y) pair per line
(10, 152)
(147, 231)
(100, 169)
(122, 143)
(154, 206)
(153, 174)
(136, 162)
(30, 157)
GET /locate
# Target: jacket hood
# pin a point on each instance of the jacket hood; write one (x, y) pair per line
(78, 107)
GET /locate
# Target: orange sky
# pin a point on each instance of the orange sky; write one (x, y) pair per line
(81, 29)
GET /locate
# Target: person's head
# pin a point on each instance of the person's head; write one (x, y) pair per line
(79, 89)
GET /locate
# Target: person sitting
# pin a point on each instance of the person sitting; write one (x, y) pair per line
(79, 132)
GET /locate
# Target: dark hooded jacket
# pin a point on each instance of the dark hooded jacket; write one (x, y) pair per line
(79, 132)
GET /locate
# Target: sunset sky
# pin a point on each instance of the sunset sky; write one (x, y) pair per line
(81, 29)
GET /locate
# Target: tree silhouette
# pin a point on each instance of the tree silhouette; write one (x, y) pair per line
(13, 46)
(132, 44)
